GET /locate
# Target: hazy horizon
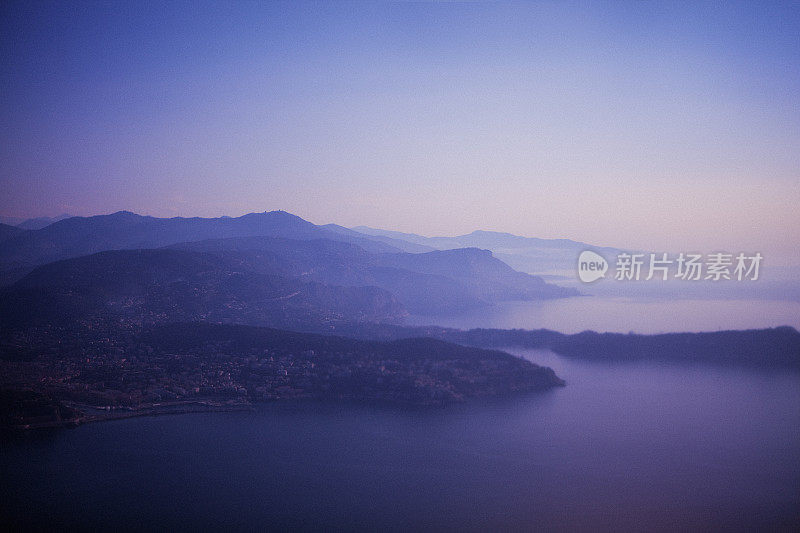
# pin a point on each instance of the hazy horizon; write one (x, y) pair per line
(780, 261)
(651, 126)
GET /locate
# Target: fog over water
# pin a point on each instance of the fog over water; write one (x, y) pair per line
(625, 314)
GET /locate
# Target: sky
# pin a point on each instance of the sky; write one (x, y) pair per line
(664, 126)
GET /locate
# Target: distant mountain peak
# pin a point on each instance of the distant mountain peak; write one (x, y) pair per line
(479, 232)
(120, 214)
(274, 212)
(468, 251)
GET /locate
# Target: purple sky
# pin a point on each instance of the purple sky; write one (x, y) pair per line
(654, 125)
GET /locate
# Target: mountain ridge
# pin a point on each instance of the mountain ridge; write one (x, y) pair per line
(533, 255)
(77, 236)
(440, 282)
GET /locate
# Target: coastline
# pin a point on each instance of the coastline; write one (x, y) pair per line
(92, 414)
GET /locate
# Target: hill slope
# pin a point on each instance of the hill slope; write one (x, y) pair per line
(426, 283)
(7, 232)
(155, 286)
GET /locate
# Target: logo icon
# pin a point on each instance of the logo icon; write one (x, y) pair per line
(591, 266)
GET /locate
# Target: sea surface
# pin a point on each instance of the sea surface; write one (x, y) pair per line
(623, 447)
(626, 314)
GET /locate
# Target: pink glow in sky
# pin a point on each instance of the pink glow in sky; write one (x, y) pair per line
(658, 126)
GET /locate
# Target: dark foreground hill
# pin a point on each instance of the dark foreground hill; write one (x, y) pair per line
(88, 375)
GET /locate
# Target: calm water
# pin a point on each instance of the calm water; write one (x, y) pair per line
(622, 447)
(642, 315)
